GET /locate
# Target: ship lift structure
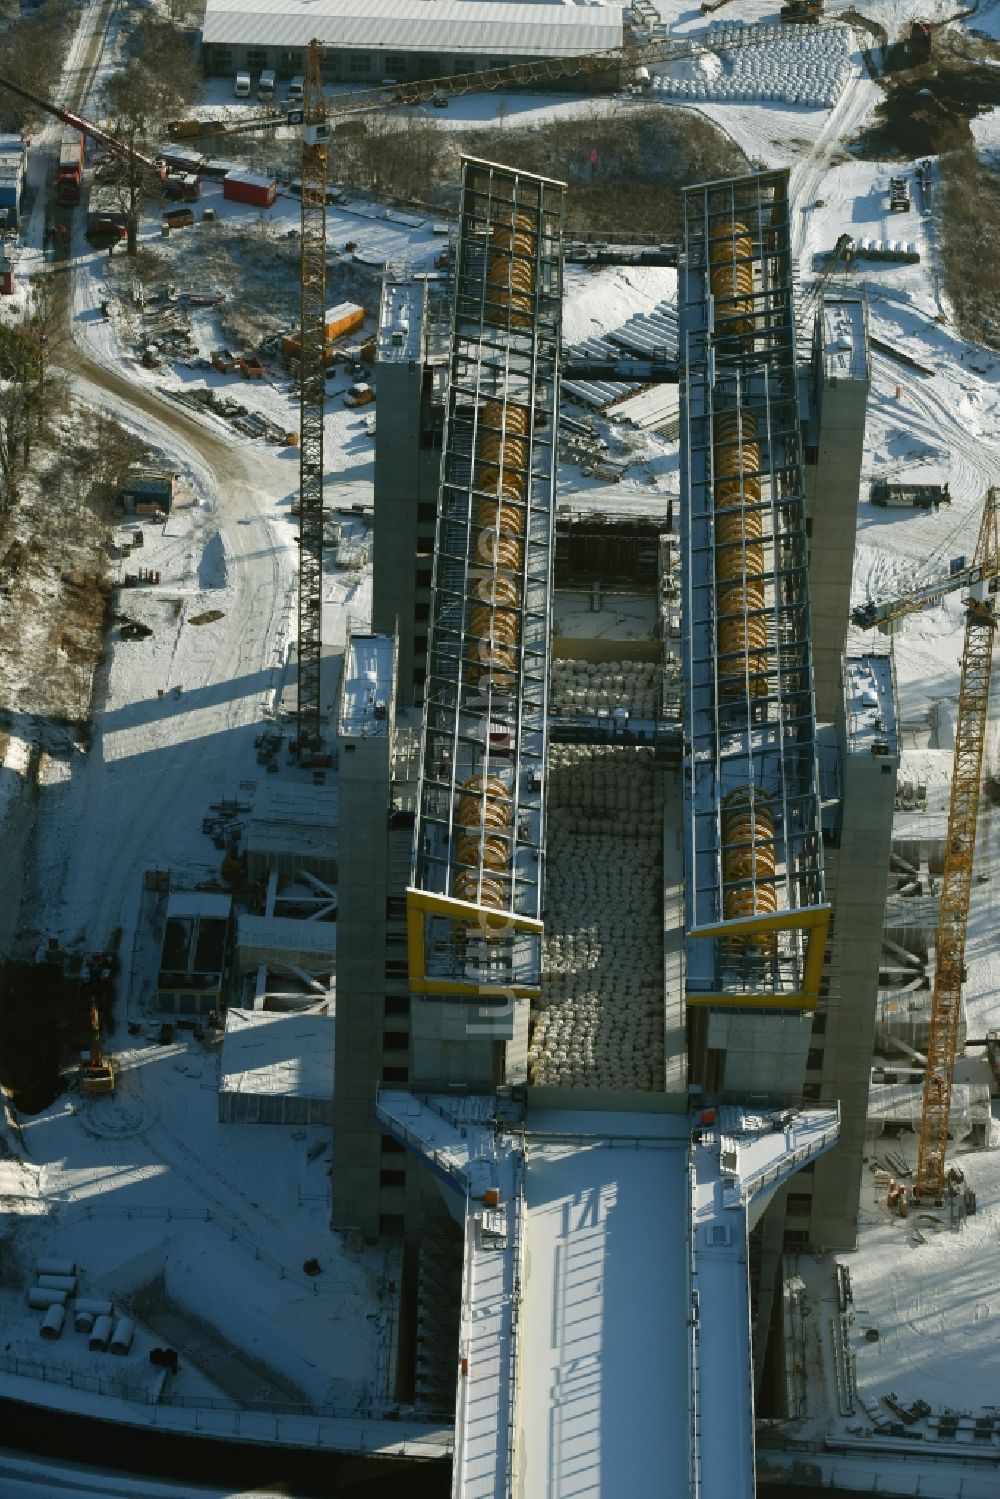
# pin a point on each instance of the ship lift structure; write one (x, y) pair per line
(981, 579)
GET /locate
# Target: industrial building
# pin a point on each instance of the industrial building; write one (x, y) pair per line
(400, 39)
(588, 923)
(631, 871)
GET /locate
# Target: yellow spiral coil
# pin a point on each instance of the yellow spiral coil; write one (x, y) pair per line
(497, 544)
(488, 892)
(730, 257)
(740, 564)
(748, 854)
(511, 272)
(497, 590)
(502, 450)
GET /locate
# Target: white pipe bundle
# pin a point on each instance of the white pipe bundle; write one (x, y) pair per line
(599, 1022)
(788, 64)
(581, 689)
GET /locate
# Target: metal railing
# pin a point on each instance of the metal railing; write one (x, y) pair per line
(368, 1413)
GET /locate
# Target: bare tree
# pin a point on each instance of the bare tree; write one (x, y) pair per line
(141, 98)
(19, 404)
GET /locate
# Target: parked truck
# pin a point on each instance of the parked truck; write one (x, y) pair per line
(70, 176)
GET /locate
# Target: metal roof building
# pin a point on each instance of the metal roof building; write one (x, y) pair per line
(401, 39)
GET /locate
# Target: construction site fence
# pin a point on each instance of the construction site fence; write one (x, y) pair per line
(315, 1284)
(150, 1397)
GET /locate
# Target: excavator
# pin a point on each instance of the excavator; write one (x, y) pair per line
(97, 1072)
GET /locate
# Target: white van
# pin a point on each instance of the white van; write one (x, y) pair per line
(242, 86)
(296, 89)
(265, 88)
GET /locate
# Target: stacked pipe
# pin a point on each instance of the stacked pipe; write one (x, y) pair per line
(748, 860)
(741, 630)
(511, 269)
(730, 260)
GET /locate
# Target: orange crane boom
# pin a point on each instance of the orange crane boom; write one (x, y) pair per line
(956, 881)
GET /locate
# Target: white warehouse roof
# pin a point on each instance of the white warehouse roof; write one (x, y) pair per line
(445, 26)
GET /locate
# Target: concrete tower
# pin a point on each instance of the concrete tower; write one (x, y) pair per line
(842, 375)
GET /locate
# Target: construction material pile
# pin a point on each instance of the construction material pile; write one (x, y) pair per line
(599, 1021)
(767, 63)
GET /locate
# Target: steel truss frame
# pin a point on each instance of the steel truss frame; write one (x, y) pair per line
(756, 914)
(474, 905)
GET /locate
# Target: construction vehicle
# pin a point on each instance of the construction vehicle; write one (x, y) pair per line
(360, 394)
(70, 175)
(796, 12)
(97, 1071)
(962, 574)
(899, 195)
(960, 843)
(841, 254)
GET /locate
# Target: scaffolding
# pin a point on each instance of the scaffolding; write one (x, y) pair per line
(474, 904)
(756, 915)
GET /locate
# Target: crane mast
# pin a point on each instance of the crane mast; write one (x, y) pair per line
(311, 392)
(956, 881)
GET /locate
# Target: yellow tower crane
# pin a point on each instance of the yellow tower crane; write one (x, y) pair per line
(315, 135)
(956, 881)
(981, 578)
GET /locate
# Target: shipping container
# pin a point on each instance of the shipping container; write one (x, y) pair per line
(291, 346)
(11, 184)
(70, 167)
(249, 187)
(343, 318)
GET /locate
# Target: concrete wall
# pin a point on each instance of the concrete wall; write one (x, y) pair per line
(453, 1042)
(844, 1028)
(765, 1053)
(361, 923)
(832, 490)
(407, 481)
(397, 446)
